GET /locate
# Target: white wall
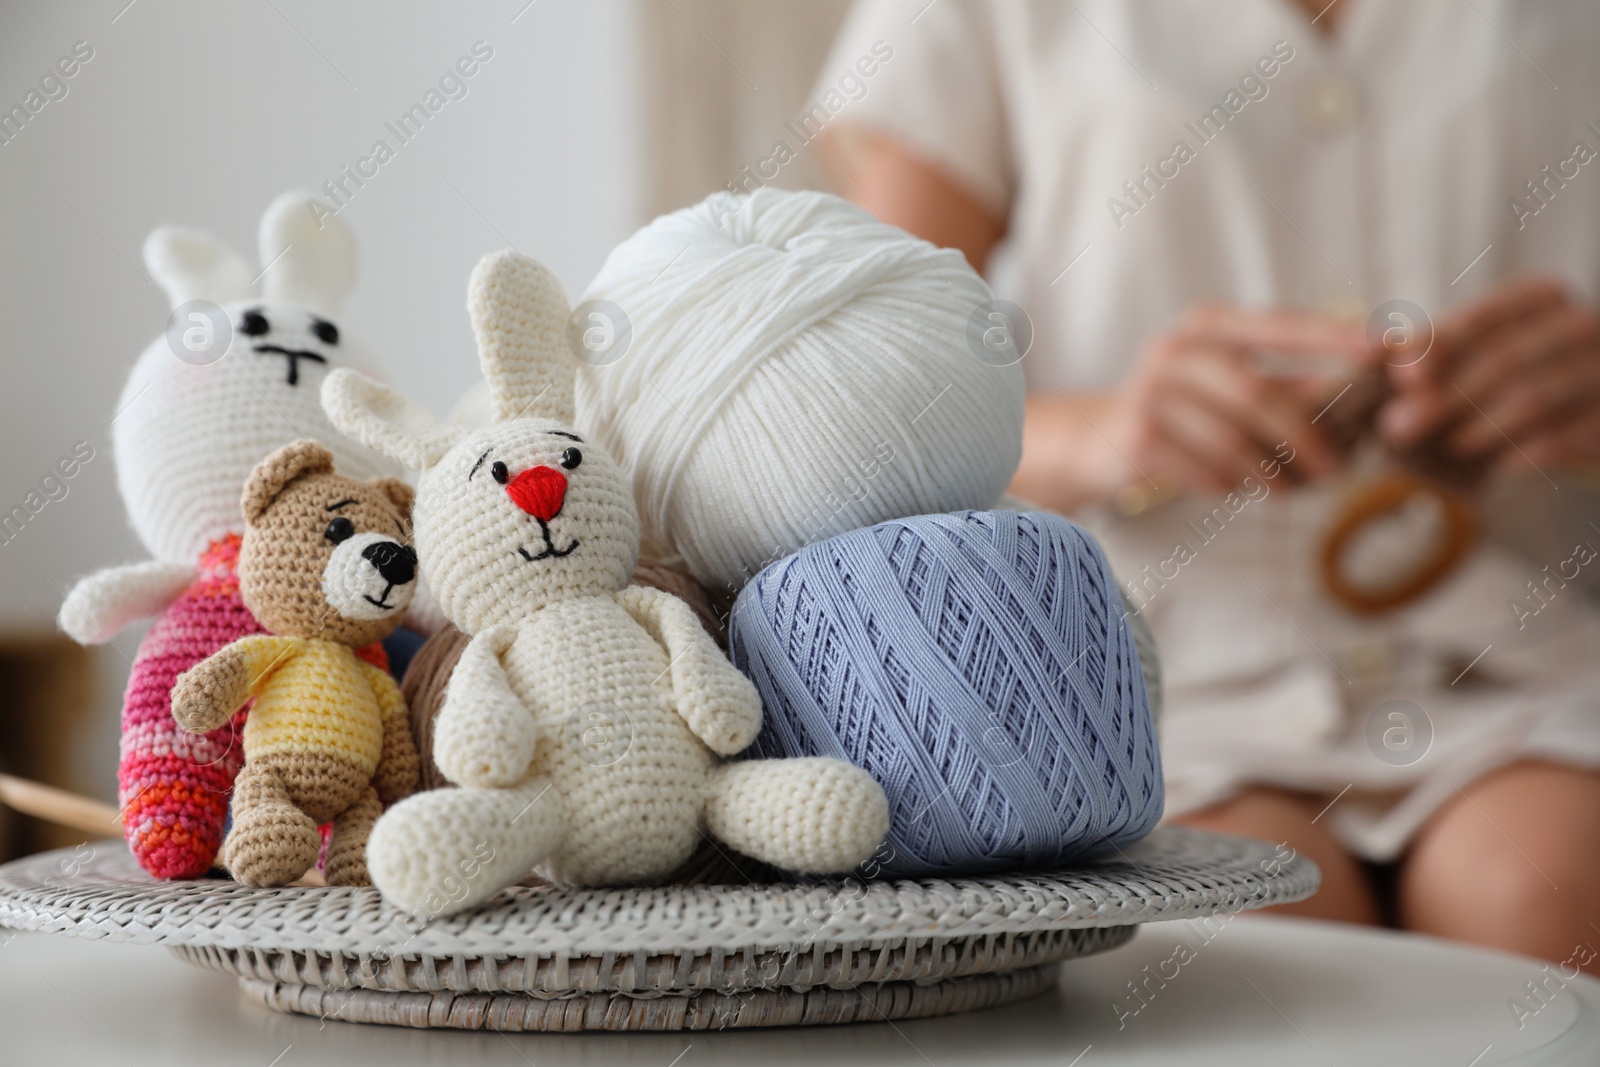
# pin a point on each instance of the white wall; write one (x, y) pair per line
(200, 113)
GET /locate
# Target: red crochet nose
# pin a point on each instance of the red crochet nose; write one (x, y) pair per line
(539, 491)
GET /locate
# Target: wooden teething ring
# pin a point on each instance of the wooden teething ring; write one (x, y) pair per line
(1375, 501)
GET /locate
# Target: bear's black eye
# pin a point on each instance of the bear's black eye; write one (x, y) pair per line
(254, 324)
(501, 474)
(571, 458)
(340, 529)
(326, 332)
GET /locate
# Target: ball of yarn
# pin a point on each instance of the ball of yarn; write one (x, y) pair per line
(796, 369)
(979, 665)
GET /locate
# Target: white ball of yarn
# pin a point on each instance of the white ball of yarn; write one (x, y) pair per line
(797, 369)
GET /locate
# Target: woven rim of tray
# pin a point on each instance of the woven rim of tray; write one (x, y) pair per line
(709, 1010)
(684, 973)
(1174, 873)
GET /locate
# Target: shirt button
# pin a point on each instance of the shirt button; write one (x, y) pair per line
(1331, 106)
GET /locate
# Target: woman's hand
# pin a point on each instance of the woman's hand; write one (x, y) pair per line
(1202, 411)
(1513, 378)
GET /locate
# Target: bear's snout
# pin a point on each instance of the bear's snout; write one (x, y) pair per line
(370, 576)
(540, 491)
(396, 562)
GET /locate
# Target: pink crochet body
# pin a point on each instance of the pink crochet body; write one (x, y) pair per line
(174, 786)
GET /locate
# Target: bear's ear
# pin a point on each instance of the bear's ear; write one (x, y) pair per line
(308, 256)
(399, 493)
(519, 315)
(385, 421)
(193, 265)
(278, 470)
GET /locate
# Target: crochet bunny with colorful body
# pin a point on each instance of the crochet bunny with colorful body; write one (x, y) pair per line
(585, 718)
(327, 567)
(187, 434)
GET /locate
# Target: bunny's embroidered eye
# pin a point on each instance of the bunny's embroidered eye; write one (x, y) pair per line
(500, 473)
(326, 332)
(571, 458)
(340, 529)
(254, 324)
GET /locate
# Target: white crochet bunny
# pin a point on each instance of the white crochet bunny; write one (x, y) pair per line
(527, 533)
(188, 432)
(191, 425)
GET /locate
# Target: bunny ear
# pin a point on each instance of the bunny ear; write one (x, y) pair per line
(308, 257)
(385, 421)
(519, 314)
(193, 265)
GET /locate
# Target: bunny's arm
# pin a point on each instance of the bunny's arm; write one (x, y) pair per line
(484, 736)
(206, 695)
(397, 771)
(106, 601)
(720, 705)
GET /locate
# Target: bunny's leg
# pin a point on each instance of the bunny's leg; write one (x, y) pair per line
(347, 848)
(439, 852)
(818, 815)
(272, 841)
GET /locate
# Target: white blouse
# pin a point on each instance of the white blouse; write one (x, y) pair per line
(1378, 163)
(1149, 154)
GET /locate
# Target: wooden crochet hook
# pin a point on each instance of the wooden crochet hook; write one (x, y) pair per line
(93, 817)
(59, 806)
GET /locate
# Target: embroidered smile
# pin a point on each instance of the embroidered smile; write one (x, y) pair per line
(550, 548)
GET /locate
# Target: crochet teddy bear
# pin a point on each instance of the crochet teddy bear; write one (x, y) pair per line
(326, 566)
(585, 717)
(185, 439)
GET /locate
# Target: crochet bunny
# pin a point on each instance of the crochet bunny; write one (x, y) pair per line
(326, 566)
(185, 439)
(584, 719)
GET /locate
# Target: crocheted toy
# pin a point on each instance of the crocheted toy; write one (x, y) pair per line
(429, 673)
(584, 719)
(326, 566)
(185, 439)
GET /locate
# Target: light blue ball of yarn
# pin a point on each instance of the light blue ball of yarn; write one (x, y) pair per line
(979, 665)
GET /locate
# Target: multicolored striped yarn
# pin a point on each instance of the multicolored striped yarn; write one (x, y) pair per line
(174, 786)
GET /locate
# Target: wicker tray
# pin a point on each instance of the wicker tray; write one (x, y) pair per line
(671, 958)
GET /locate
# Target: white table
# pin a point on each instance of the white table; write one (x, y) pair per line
(1258, 991)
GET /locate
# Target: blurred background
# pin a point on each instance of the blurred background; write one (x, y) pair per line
(591, 117)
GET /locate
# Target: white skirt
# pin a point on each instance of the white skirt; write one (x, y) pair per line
(1268, 681)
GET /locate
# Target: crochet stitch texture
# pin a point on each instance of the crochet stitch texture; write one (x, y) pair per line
(174, 786)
